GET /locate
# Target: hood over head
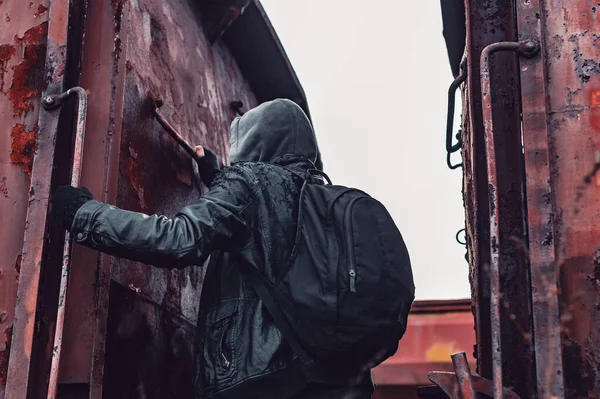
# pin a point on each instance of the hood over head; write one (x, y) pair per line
(275, 128)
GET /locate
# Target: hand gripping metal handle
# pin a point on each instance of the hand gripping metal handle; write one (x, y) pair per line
(53, 102)
(525, 48)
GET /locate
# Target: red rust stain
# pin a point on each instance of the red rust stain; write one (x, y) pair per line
(595, 114)
(35, 35)
(40, 11)
(27, 83)
(28, 75)
(4, 353)
(23, 147)
(6, 52)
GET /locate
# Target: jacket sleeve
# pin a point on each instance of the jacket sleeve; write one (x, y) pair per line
(219, 220)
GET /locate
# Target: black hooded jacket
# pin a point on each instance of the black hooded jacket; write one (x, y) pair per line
(247, 219)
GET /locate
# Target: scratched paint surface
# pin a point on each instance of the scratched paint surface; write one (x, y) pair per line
(22, 54)
(168, 57)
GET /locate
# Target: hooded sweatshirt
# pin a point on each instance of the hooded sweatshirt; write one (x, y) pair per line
(271, 130)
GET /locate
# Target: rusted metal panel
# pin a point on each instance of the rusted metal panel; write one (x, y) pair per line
(436, 330)
(168, 56)
(49, 79)
(22, 54)
(129, 161)
(102, 75)
(526, 48)
(562, 140)
(542, 249)
(490, 22)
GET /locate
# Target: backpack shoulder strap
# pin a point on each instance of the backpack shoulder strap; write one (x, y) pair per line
(260, 286)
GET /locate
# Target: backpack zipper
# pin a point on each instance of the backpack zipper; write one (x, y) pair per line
(349, 246)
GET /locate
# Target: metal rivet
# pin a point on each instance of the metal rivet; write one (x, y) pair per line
(80, 236)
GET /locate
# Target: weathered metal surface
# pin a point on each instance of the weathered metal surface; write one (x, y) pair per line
(18, 381)
(54, 102)
(525, 48)
(152, 312)
(562, 139)
(487, 23)
(22, 53)
(436, 330)
(172, 131)
(170, 57)
(540, 213)
(217, 16)
(102, 75)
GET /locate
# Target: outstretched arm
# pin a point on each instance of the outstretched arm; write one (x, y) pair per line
(219, 220)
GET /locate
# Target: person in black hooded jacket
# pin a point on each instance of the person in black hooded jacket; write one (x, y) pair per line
(247, 219)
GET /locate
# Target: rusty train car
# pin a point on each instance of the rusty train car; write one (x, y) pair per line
(128, 329)
(529, 76)
(530, 140)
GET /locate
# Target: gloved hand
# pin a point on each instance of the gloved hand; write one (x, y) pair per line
(208, 164)
(66, 202)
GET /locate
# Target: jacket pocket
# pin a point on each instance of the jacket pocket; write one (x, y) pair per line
(221, 336)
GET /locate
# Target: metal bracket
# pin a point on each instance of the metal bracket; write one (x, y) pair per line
(525, 48)
(462, 384)
(452, 148)
(53, 102)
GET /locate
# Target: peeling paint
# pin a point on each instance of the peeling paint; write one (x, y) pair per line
(6, 52)
(585, 68)
(28, 75)
(40, 11)
(23, 146)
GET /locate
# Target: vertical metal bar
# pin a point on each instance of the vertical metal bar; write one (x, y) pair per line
(542, 209)
(52, 102)
(18, 381)
(526, 48)
(463, 375)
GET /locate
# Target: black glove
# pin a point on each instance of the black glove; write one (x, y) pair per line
(208, 166)
(66, 202)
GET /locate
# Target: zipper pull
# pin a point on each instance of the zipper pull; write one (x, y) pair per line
(225, 360)
(352, 280)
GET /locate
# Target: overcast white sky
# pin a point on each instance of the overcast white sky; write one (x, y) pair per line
(376, 76)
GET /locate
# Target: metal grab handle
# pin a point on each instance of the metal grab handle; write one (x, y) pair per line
(526, 48)
(53, 102)
(171, 130)
(452, 148)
